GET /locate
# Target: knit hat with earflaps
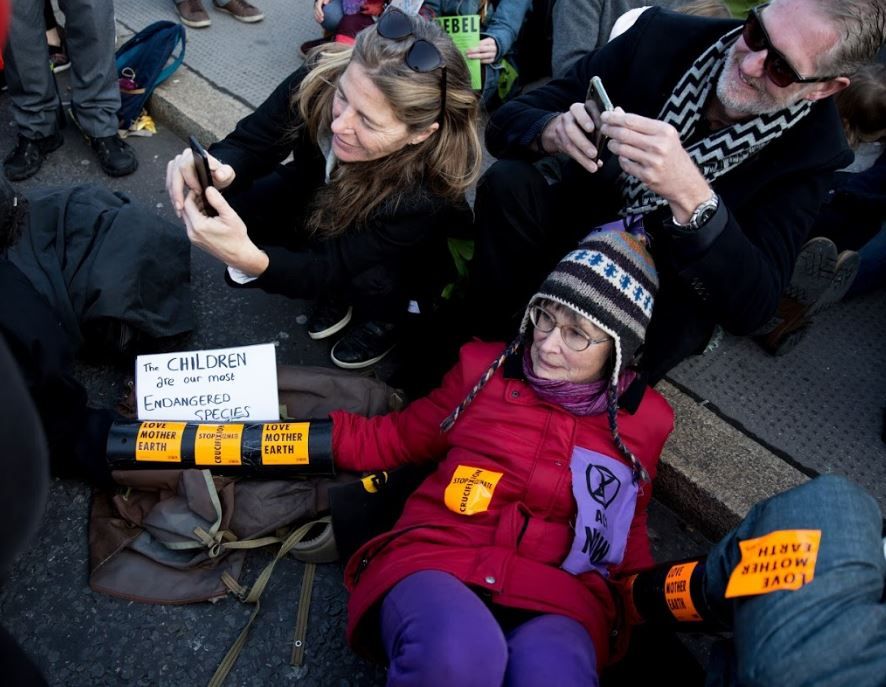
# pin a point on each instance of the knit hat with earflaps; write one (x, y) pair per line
(609, 279)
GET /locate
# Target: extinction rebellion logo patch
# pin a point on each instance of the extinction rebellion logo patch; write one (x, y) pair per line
(470, 490)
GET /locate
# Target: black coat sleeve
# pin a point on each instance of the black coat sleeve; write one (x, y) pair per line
(740, 273)
(513, 128)
(265, 138)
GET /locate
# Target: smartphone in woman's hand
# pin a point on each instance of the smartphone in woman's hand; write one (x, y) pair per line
(596, 103)
(204, 173)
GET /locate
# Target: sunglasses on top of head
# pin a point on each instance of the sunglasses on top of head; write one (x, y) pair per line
(776, 65)
(423, 56)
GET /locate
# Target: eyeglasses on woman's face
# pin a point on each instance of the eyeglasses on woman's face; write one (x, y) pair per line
(423, 56)
(573, 336)
(776, 66)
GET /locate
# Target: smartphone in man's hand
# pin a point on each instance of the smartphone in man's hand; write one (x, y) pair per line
(204, 173)
(596, 103)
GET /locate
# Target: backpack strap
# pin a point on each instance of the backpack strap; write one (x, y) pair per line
(177, 59)
(253, 596)
(301, 620)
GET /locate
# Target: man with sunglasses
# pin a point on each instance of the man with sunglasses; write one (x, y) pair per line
(722, 142)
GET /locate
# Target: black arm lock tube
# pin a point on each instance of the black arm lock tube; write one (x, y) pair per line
(673, 594)
(266, 449)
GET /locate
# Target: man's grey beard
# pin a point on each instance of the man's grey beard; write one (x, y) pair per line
(763, 104)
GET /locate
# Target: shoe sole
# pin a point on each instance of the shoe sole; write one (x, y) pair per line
(334, 329)
(786, 333)
(813, 271)
(360, 365)
(846, 270)
(202, 24)
(245, 20)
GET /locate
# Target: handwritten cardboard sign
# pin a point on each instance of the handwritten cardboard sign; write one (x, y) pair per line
(221, 385)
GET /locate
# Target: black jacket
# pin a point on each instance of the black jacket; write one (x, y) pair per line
(400, 236)
(733, 271)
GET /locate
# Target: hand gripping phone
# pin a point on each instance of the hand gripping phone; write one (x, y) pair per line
(204, 174)
(596, 103)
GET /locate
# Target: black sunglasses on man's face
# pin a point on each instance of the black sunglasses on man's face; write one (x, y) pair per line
(423, 56)
(776, 65)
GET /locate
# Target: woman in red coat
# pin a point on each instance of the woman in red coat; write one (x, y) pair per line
(498, 570)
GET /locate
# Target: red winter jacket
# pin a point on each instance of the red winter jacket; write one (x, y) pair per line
(509, 551)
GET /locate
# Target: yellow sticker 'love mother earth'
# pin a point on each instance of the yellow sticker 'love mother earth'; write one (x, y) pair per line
(781, 560)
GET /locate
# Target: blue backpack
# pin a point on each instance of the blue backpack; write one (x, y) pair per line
(143, 60)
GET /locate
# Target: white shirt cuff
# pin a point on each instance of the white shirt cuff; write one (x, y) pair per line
(239, 277)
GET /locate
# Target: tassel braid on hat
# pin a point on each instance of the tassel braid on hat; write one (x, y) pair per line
(609, 279)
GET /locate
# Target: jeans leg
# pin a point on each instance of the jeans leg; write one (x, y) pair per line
(872, 269)
(332, 15)
(831, 631)
(551, 650)
(438, 633)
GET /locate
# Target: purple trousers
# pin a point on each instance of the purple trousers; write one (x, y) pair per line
(436, 631)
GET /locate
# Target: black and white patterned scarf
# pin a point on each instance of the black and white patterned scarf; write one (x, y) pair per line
(721, 150)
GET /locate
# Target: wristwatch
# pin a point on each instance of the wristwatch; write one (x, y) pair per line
(701, 215)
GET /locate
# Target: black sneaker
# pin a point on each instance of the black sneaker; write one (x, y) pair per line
(115, 156)
(364, 345)
(329, 317)
(27, 157)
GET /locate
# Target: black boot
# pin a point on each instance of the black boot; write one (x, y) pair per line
(114, 155)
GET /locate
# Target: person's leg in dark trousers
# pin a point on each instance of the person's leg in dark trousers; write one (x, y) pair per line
(26, 58)
(273, 208)
(22, 499)
(519, 239)
(379, 298)
(90, 30)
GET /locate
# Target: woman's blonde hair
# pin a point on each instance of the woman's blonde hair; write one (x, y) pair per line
(446, 163)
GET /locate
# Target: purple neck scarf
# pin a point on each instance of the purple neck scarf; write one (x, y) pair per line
(578, 399)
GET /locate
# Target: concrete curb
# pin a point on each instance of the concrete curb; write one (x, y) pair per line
(189, 104)
(710, 473)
